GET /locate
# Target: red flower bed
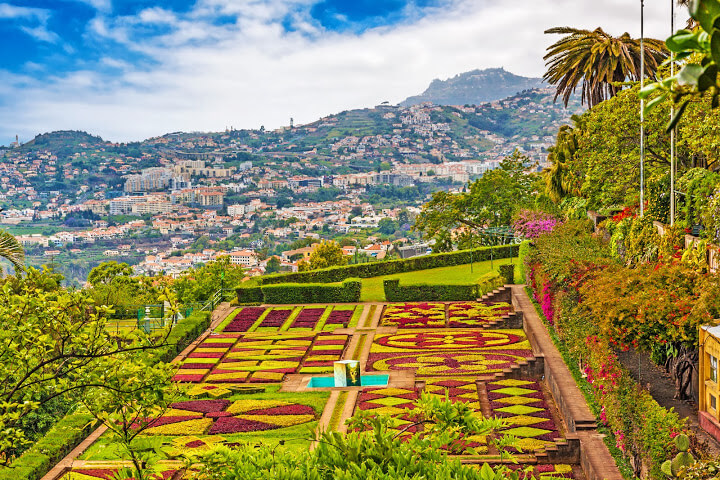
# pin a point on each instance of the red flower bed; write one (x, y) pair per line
(206, 355)
(202, 406)
(339, 317)
(308, 318)
(188, 378)
(275, 318)
(244, 320)
(216, 345)
(197, 365)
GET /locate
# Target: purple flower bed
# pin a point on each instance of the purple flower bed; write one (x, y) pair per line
(198, 366)
(206, 355)
(339, 317)
(275, 318)
(244, 320)
(238, 425)
(202, 406)
(296, 409)
(308, 318)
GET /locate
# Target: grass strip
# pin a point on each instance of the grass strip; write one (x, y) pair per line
(293, 315)
(356, 316)
(359, 347)
(323, 318)
(337, 412)
(227, 320)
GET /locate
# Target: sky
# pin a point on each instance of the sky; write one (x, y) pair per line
(128, 70)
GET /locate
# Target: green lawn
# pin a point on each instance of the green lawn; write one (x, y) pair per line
(372, 288)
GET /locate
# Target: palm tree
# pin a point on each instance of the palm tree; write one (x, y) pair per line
(602, 62)
(10, 249)
(559, 178)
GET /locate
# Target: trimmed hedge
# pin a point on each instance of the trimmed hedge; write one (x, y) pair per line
(65, 435)
(394, 292)
(523, 252)
(73, 428)
(182, 335)
(377, 269)
(249, 295)
(507, 272)
(347, 292)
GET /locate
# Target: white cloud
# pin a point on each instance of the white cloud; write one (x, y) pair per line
(254, 73)
(16, 12)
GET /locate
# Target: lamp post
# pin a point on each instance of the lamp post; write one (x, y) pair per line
(672, 132)
(642, 108)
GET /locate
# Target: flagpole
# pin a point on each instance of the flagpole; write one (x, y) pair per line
(642, 108)
(672, 132)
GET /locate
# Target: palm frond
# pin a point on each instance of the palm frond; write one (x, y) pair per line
(12, 250)
(596, 61)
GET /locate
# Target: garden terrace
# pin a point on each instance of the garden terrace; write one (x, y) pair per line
(245, 379)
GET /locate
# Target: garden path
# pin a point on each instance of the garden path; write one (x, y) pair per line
(662, 388)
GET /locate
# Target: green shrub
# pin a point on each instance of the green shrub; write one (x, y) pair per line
(394, 292)
(249, 295)
(523, 252)
(347, 292)
(49, 450)
(376, 269)
(182, 335)
(507, 273)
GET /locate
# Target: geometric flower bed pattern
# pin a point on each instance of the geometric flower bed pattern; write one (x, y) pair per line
(308, 318)
(547, 471)
(390, 401)
(244, 319)
(213, 417)
(460, 389)
(260, 358)
(480, 353)
(522, 404)
(338, 319)
(475, 314)
(274, 319)
(106, 474)
(414, 315)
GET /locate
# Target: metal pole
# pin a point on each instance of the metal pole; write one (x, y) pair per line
(672, 132)
(642, 107)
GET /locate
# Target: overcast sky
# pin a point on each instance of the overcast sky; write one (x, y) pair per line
(133, 69)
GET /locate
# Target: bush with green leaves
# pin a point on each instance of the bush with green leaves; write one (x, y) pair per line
(347, 292)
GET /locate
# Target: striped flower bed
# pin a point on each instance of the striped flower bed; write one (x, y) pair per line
(244, 319)
(475, 314)
(414, 315)
(522, 404)
(308, 318)
(339, 317)
(275, 318)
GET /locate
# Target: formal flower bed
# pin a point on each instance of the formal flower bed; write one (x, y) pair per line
(244, 319)
(308, 318)
(414, 315)
(108, 474)
(456, 340)
(275, 318)
(339, 318)
(390, 401)
(545, 471)
(522, 404)
(484, 364)
(475, 314)
(197, 417)
(262, 358)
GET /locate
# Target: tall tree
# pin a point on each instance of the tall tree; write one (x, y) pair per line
(489, 201)
(598, 60)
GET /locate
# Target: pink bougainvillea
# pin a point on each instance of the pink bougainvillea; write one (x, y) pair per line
(531, 223)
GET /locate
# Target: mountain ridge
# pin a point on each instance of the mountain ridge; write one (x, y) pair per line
(474, 87)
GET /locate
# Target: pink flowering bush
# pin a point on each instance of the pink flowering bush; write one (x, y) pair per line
(532, 223)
